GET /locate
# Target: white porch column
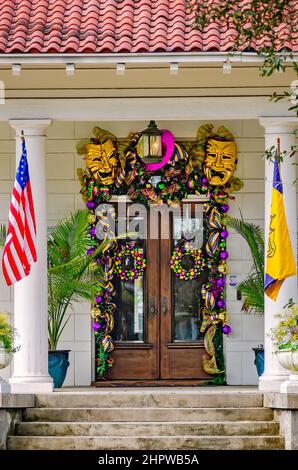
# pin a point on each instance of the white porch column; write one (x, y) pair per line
(30, 373)
(283, 128)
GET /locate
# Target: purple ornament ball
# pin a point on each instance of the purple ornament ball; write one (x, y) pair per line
(224, 255)
(220, 282)
(225, 207)
(204, 180)
(92, 232)
(90, 251)
(98, 299)
(226, 329)
(221, 303)
(224, 234)
(96, 326)
(90, 205)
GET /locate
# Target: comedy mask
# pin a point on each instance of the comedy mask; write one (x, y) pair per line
(102, 162)
(220, 161)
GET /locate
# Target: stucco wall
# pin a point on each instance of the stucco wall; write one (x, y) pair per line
(63, 197)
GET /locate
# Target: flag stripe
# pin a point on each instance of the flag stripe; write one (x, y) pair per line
(30, 230)
(20, 247)
(30, 203)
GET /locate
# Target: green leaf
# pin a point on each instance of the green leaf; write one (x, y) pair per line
(252, 288)
(72, 274)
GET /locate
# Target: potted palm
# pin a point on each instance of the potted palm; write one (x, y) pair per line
(72, 277)
(252, 288)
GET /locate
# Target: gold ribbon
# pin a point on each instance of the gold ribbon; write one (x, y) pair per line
(209, 362)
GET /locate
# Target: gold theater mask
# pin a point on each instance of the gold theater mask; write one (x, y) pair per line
(102, 162)
(220, 161)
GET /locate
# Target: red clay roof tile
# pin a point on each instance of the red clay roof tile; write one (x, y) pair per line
(108, 26)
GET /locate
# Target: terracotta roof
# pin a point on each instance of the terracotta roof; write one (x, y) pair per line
(106, 26)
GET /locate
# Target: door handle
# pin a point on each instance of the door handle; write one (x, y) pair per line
(164, 307)
(152, 307)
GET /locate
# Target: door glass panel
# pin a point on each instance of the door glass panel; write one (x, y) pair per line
(129, 301)
(187, 294)
(129, 314)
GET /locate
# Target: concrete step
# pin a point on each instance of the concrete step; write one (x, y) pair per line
(239, 428)
(151, 398)
(148, 414)
(146, 443)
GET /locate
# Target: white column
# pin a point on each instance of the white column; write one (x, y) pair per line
(30, 373)
(279, 127)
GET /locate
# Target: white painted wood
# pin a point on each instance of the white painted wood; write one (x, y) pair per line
(279, 127)
(134, 58)
(30, 373)
(139, 108)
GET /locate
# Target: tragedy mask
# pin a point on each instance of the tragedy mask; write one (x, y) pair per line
(102, 161)
(220, 161)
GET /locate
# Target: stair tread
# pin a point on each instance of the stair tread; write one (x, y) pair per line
(150, 422)
(159, 408)
(146, 443)
(184, 436)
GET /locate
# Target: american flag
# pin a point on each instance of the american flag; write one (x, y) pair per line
(20, 246)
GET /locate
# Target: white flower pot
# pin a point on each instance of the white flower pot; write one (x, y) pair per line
(288, 360)
(5, 357)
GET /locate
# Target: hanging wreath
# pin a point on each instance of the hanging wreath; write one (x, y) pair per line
(187, 263)
(130, 262)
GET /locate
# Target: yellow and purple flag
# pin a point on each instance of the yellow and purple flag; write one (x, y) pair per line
(280, 261)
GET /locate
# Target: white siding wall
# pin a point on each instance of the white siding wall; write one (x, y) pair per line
(63, 197)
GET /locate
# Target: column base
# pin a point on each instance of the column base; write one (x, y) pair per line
(290, 385)
(271, 383)
(4, 386)
(37, 384)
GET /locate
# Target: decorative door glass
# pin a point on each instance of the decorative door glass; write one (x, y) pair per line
(187, 231)
(129, 314)
(129, 299)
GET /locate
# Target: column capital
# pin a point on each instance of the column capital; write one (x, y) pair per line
(278, 124)
(31, 127)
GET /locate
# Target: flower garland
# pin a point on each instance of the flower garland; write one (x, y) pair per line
(176, 263)
(139, 262)
(179, 175)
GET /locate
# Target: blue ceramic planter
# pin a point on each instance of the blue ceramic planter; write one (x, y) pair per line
(259, 360)
(58, 365)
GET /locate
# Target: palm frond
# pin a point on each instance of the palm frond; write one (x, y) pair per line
(72, 275)
(252, 288)
(254, 236)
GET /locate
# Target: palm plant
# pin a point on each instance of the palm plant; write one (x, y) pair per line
(72, 275)
(252, 288)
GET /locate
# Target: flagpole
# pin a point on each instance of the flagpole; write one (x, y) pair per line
(22, 136)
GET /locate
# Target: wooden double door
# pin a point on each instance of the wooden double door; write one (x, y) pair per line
(157, 320)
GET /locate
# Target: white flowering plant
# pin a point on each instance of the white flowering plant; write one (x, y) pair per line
(285, 334)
